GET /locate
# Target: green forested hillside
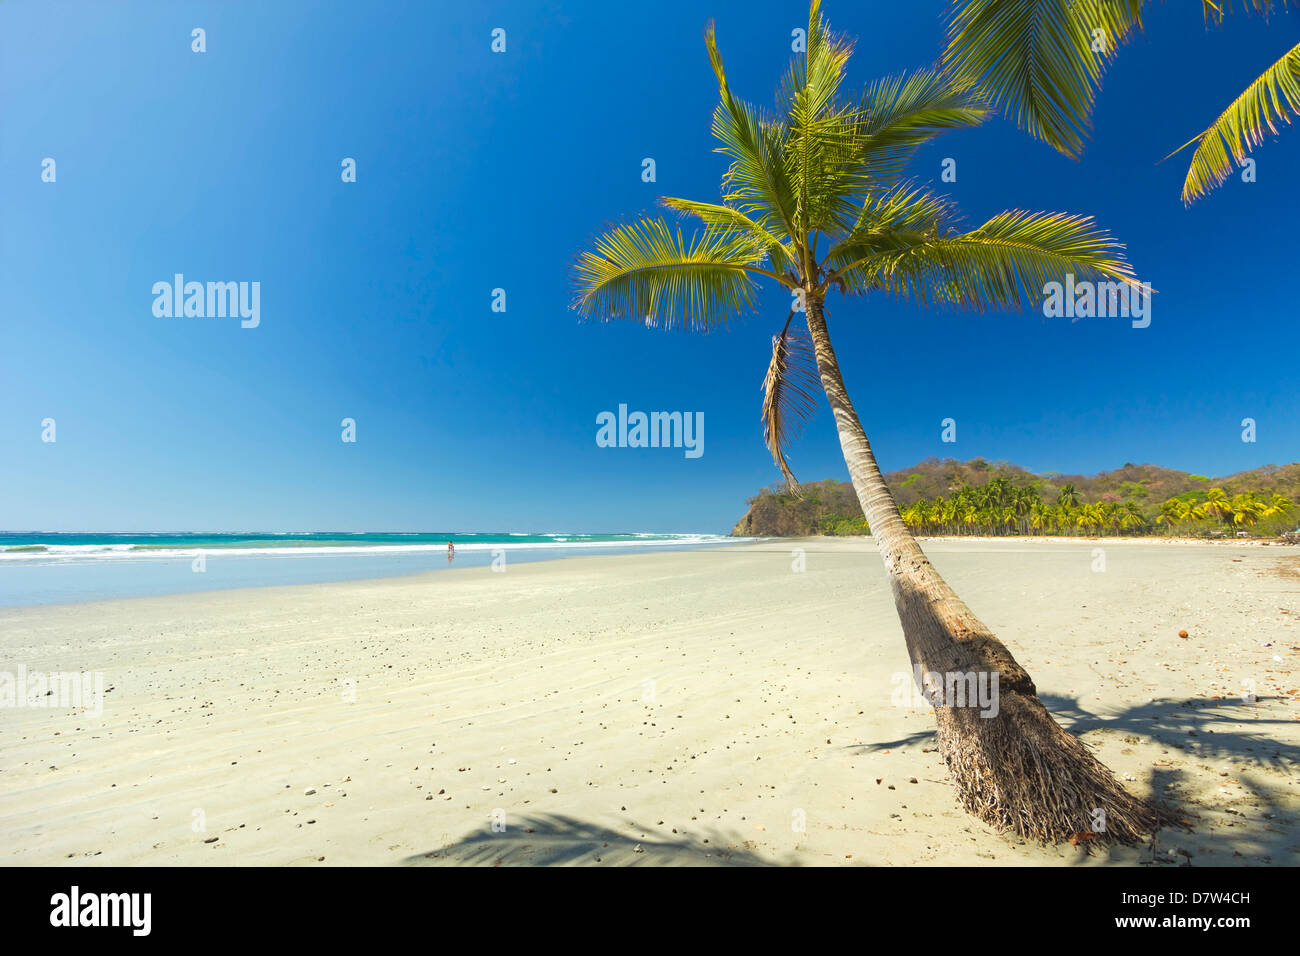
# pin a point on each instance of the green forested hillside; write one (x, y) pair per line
(981, 497)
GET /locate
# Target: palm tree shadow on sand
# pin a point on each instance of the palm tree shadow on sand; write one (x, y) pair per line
(555, 840)
(1200, 727)
(1248, 826)
(1253, 827)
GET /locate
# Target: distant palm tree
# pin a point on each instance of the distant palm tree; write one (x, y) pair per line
(1216, 505)
(1068, 496)
(996, 492)
(1088, 517)
(1063, 518)
(1009, 518)
(1040, 63)
(1131, 518)
(1246, 509)
(949, 515)
(1039, 517)
(1277, 504)
(1171, 513)
(813, 201)
(911, 516)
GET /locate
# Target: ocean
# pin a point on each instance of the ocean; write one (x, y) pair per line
(63, 567)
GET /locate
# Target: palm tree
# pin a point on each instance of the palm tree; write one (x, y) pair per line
(1057, 520)
(1216, 505)
(1039, 517)
(1088, 517)
(1131, 518)
(1277, 504)
(1112, 512)
(813, 201)
(949, 515)
(1040, 62)
(1068, 496)
(913, 515)
(998, 491)
(1246, 509)
(1171, 513)
(1009, 518)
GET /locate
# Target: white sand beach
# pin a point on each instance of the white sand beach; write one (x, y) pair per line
(707, 707)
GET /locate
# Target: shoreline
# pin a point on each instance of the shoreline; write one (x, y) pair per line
(713, 706)
(36, 580)
(840, 544)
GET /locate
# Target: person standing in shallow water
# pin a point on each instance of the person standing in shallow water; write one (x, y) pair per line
(451, 551)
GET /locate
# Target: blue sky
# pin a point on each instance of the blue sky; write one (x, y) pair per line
(479, 171)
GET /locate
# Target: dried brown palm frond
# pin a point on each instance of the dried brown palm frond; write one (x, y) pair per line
(789, 393)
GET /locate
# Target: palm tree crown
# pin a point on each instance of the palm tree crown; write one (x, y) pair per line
(814, 199)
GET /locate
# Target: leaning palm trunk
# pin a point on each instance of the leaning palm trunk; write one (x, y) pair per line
(1017, 770)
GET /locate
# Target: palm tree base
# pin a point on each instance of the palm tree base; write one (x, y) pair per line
(1019, 771)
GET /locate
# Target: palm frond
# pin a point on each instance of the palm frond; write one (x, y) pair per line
(1002, 264)
(1215, 10)
(812, 82)
(888, 222)
(790, 388)
(756, 182)
(902, 208)
(898, 113)
(821, 148)
(647, 272)
(1270, 100)
(723, 217)
(1039, 62)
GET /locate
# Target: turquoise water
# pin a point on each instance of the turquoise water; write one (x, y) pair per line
(86, 543)
(59, 567)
